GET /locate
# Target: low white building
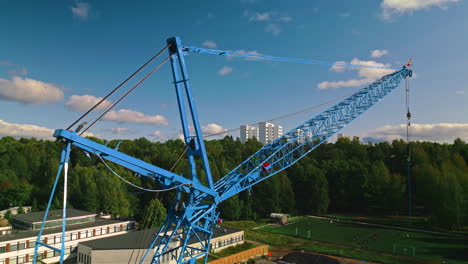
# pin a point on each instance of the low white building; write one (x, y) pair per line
(130, 248)
(18, 247)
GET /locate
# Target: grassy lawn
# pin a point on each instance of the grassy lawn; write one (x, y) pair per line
(371, 243)
(400, 221)
(284, 242)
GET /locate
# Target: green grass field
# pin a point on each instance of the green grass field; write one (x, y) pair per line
(430, 247)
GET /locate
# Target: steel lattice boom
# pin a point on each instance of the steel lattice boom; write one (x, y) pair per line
(291, 147)
(193, 214)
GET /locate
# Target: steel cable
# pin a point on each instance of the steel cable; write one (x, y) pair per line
(119, 86)
(282, 117)
(126, 94)
(136, 186)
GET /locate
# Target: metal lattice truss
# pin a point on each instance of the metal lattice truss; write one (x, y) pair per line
(292, 146)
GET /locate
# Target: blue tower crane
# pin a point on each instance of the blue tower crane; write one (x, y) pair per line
(193, 214)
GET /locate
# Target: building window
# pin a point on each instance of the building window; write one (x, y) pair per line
(104, 231)
(74, 236)
(2, 261)
(13, 247)
(58, 239)
(2, 250)
(21, 246)
(22, 259)
(98, 232)
(13, 260)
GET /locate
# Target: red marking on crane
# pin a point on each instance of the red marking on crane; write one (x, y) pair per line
(266, 166)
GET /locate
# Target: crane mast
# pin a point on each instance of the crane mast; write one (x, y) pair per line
(193, 215)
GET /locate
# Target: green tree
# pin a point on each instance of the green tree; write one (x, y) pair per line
(154, 214)
(8, 215)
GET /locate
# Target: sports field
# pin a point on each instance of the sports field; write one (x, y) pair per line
(402, 243)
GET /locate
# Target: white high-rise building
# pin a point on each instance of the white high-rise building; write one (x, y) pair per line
(268, 132)
(247, 132)
(304, 137)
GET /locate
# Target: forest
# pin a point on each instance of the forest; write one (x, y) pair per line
(342, 177)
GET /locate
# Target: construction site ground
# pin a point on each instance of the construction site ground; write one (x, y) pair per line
(284, 243)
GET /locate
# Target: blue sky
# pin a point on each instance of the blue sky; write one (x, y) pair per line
(57, 57)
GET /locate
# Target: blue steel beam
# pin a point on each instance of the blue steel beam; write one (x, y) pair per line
(184, 92)
(291, 147)
(166, 178)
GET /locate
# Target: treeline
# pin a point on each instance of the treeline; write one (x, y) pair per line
(346, 176)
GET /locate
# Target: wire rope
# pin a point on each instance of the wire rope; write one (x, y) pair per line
(136, 186)
(280, 59)
(282, 117)
(127, 93)
(119, 86)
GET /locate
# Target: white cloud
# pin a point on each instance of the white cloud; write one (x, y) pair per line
(391, 7)
(159, 136)
(25, 130)
(225, 71)
(442, 132)
(285, 18)
(119, 130)
(273, 20)
(274, 29)
(28, 131)
(164, 136)
(82, 103)
(378, 53)
(213, 128)
(29, 91)
(345, 14)
(210, 44)
(367, 75)
(339, 84)
(130, 116)
(460, 92)
(266, 16)
(15, 69)
(81, 10)
(337, 68)
(20, 71)
(370, 73)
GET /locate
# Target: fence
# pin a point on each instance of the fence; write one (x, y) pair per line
(243, 256)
